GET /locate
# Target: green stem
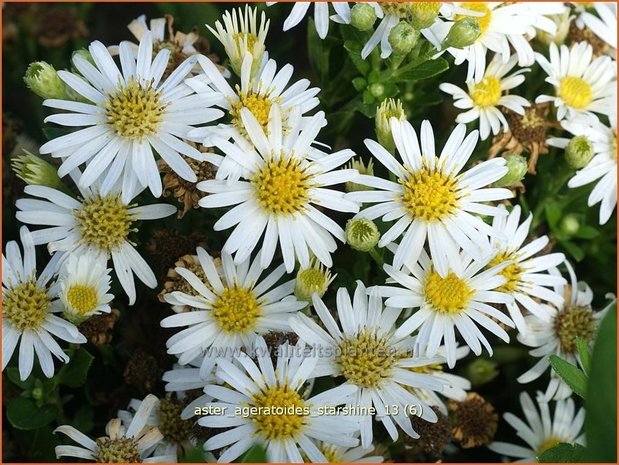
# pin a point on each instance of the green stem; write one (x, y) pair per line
(377, 257)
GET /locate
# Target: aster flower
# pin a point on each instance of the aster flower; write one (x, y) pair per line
(542, 430)
(369, 356)
(284, 188)
(526, 274)
(432, 199)
(265, 388)
(128, 113)
(132, 444)
(460, 298)
(557, 334)
(232, 308)
(583, 85)
(321, 15)
(99, 224)
(28, 306)
(485, 96)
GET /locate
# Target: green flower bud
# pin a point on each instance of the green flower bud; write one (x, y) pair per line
(516, 170)
(463, 33)
(579, 152)
(42, 79)
(424, 13)
(403, 38)
(362, 16)
(377, 89)
(390, 108)
(570, 224)
(85, 54)
(362, 234)
(37, 393)
(36, 171)
(312, 280)
(359, 165)
(481, 371)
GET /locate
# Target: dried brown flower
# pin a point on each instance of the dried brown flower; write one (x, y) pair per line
(57, 26)
(98, 328)
(167, 245)
(576, 34)
(142, 371)
(474, 421)
(433, 437)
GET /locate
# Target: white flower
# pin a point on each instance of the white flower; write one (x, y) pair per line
(604, 26)
(583, 85)
(526, 274)
(541, 430)
(603, 164)
(284, 188)
(130, 445)
(257, 94)
(485, 96)
(232, 308)
(368, 355)
(84, 283)
(264, 390)
(99, 224)
(431, 198)
(183, 378)
(458, 297)
(557, 335)
(321, 15)
(128, 114)
(28, 307)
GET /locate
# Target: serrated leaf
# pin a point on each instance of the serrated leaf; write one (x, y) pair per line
(256, 454)
(425, 70)
(571, 374)
(73, 374)
(562, 453)
(23, 414)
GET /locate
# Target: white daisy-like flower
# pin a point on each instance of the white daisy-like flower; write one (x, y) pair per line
(241, 35)
(605, 24)
(232, 308)
(603, 164)
(28, 307)
(527, 276)
(258, 95)
(277, 413)
(99, 224)
(583, 85)
(432, 199)
(557, 335)
(321, 15)
(84, 284)
(369, 356)
(120, 445)
(485, 96)
(129, 113)
(183, 378)
(282, 193)
(459, 298)
(542, 430)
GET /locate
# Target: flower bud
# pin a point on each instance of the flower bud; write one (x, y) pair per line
(357, 164)
(481, 371)
(424, 13)
(579, 152)
(312, 280)
(42, 79)
(85, 54)
(403, 38)
(516, 170)
(362, 16)
(377, 89)
(390, 108)
(463, 33)
(569, 224)
(36, 171)
(362, 234)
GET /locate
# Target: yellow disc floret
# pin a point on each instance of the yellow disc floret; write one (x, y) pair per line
(25, 306)
(449, 294)
(135, 110)
(258, 103)
(236, 310)
(280, 413)
(83, 298)
(575, 92)
(512, 272)
(571, 323)
(429, 195)
(487, 93)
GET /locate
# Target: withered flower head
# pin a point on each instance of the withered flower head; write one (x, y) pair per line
(57, 26)
(584, 34)
(433, 437)
(167, 245)
(474, 421)
(142, 371)
(171, 425)
(275, 339)
(98, 328)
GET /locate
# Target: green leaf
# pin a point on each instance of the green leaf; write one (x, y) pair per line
(563, 453)
(23, 413)
(256, 454)
(74, 373)
(573, 250)
(571, 374)
(584, 354)
(601, 404)
(13, 374)
(425, 70)
(194, 455)
(354, 52)
(587, 232)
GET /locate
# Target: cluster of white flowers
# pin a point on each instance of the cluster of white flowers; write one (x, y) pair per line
(462, 263)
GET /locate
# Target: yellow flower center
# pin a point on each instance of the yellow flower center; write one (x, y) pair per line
(571, 323)
(282, 186)
(331, 453)
(366, 359)
(135, 110)
(82, 298)
(280, 413)
(236, 310)
(548, 444)
(487, 93)
(121, 450)
(260, 106)
(512, 272)
(245, 41)
(25, 306)
(480, 7)
(449, 295)
(575, 92)
(429, 195)
(104, 222)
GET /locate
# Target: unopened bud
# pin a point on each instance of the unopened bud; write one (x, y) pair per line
(570, 224)
(36, 171)
(362, 234)
(516, 170)
(579, 152)
(424, 13)
(362, 16)
(312, 280)
(390, 108)
(42, 79)
(403, 38)
(377, 89)
(481, 371)
(463, 33)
